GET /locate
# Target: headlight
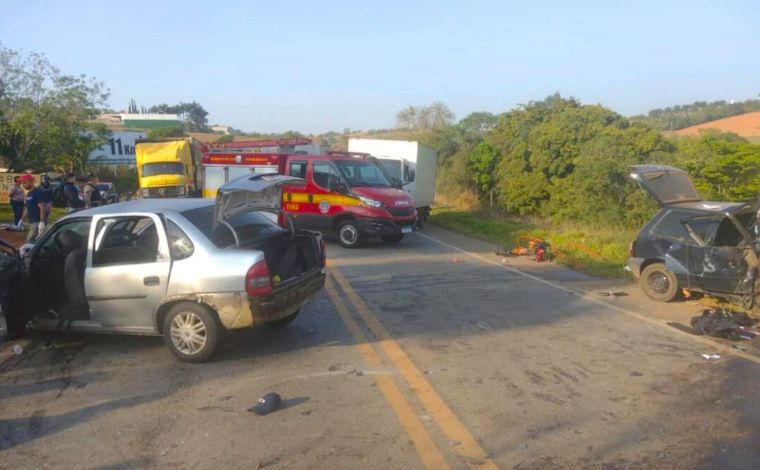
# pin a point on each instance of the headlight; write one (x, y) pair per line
(145, 192)
(181, 190)
(370, 202)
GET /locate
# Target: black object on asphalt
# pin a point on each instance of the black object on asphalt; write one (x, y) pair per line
(267, 404)
(723, 323)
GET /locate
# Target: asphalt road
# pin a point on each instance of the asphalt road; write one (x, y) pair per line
(430, 354)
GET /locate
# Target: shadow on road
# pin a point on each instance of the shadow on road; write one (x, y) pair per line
(21, 430)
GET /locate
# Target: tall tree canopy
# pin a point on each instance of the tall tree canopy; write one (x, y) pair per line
(424, 118)
(45, 115)
(193, 115)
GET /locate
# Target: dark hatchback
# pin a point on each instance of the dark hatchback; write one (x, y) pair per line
(700, 246)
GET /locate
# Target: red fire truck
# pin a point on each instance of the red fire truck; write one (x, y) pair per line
(348, 194)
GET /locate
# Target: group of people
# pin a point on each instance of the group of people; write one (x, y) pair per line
(37, 201)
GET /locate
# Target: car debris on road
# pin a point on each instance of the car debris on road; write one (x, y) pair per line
(525, 245)
(725, 323)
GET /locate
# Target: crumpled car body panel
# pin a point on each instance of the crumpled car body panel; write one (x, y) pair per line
(711, 247)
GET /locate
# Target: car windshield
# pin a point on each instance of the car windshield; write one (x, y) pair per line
(252, 227)
(362, 173)
(104, 186)
(393, 167)
(163, 168)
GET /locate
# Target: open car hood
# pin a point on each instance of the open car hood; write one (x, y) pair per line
(252, 193)
(666, 184)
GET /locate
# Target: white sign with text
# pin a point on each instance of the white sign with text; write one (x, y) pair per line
(118, 149)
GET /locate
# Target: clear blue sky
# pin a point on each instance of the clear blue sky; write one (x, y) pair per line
(326, 65)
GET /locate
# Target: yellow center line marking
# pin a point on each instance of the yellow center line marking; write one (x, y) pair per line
(468, 447)
(412, 425)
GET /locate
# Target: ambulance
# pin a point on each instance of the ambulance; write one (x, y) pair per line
(350, 195)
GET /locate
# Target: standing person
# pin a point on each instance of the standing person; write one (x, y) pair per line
(74, 200)
(17, 197)
(35, 207)
(47, 191)
(92, 196)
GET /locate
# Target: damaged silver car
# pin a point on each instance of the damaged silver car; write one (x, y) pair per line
(186, 269)
(691, 244)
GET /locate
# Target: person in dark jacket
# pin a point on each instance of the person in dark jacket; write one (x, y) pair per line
(35, 207)
(91, 193)
(74, 201)
(47, 196)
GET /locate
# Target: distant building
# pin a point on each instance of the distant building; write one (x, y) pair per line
(221, 129)
(139, 121)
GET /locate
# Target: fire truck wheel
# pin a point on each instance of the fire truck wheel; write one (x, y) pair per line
(349, 235)
(392, 238)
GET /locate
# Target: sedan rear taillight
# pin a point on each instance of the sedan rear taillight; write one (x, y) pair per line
(257, 281)
(323, 248)
(632, 249)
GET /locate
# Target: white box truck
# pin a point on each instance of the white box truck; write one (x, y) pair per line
(413, 163)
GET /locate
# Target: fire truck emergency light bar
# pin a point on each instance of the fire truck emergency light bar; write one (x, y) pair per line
(244, 145)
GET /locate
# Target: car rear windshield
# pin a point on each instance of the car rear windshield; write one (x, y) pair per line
(252, 227)
(164, 168)
(672, 186)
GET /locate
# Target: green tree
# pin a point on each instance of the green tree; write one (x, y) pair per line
(165, 132)
(437, 115)
(481, 165)
(723, 166)
(47, 116)
(193, 116)
(475, 126)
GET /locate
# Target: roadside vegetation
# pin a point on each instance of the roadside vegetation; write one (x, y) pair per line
(558, 169)
(6, 214)
(599, 251)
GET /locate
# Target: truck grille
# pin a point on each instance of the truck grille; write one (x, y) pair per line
(401, 212)
(166, 191)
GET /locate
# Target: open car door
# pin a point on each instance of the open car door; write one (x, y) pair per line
(667, 185)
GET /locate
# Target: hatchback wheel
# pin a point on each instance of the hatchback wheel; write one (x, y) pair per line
(658, 283)
(191, 332)
(349, 235)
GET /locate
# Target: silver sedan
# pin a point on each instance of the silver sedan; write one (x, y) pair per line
(181, 268)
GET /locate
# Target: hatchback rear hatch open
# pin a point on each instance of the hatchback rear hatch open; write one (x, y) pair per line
(241, 207)
(667, 185)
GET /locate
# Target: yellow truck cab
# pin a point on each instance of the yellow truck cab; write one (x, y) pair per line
(166, 167)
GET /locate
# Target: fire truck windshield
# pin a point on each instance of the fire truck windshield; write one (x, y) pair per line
(362, 173)
(163, 168)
